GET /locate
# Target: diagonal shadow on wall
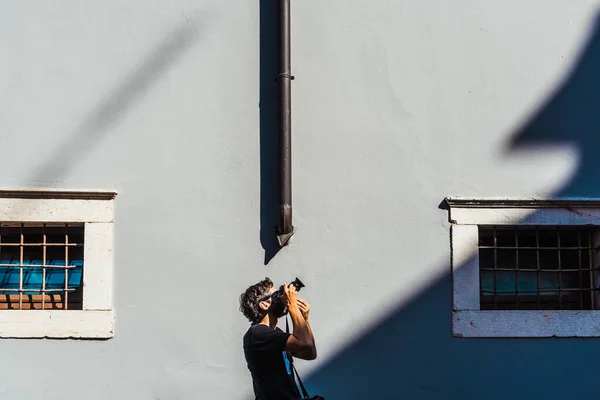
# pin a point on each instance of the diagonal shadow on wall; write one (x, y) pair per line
(101, 120)
(412, 354)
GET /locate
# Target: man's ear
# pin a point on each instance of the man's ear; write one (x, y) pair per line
(264, 305)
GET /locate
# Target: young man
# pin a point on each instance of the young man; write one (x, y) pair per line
(268, 350)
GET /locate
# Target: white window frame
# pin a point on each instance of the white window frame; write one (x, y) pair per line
(95, 209)
(468, 320)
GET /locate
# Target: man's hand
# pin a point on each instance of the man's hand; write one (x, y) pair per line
(304, 308)
(290, 295)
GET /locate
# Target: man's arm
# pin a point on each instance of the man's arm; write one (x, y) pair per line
(311, 353)
(300, 340)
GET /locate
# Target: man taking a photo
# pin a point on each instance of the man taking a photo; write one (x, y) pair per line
(269, 350)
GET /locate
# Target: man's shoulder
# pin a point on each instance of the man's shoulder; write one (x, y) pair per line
(259, 334)
(255, 329)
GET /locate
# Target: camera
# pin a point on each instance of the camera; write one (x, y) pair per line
(297, 284)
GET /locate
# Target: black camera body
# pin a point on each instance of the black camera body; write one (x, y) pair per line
(297, 284)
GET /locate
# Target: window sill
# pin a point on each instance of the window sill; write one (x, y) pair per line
(525, 323)
(57, 324)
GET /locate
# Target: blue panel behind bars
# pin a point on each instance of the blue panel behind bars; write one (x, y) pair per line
(506, 282)
(32, 276)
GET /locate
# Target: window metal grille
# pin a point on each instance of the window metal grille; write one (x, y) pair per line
(41, 266)
(537, 268)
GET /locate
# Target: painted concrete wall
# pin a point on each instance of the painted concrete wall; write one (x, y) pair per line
(397, 104)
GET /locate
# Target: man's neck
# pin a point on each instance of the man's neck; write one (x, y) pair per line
(269, 320)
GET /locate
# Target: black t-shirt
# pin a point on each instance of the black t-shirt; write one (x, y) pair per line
(269, 363)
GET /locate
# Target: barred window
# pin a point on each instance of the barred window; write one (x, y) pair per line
(525, 267)
(41, 266)
(537, 268)
(56, 263)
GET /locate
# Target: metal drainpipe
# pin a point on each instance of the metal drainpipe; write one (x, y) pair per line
(284, 224)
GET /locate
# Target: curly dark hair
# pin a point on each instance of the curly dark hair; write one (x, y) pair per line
(250, 299)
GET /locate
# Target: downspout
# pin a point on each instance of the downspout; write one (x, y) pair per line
(285, 230)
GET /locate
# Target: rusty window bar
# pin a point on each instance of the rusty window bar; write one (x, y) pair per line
(540, 248)
(537, 245)
(40, 266)
(31, 290)
(559, 255)
(43, 266)
(66, 295)
(535, 269)
(512, 292)
(580, 263)
(21, 250)
(42, 244)
(495, 269)
(517, 265)
(590, 260)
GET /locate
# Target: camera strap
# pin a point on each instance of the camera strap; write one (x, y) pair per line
(305, 394)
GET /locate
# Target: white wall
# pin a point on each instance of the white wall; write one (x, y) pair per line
(397, 104)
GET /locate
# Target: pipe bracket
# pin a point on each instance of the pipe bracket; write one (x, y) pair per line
(283, 75)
